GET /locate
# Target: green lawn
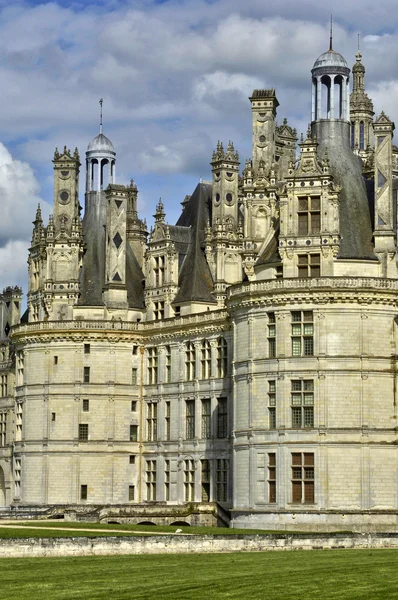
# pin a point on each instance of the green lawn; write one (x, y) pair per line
(308, 575)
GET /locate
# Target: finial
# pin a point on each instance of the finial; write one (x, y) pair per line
(101, 103)
(331, 34)
(358, 42)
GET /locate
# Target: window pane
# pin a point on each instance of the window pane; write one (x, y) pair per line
(308, 459)
(296, 399)
(296, 458)
(296, 386)
(296, 491)
(272, 418)
(296, 417)
(308, 346)
(315, 223)
(309, 492)
(296, 329)
(272, 491)
(296, 346)
(308, 416)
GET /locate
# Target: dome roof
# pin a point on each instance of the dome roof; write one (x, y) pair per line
(330, 59)
(101, 144)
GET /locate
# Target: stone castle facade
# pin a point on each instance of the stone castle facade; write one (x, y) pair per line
(241, 363)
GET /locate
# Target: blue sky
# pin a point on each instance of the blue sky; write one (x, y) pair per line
(175, 76)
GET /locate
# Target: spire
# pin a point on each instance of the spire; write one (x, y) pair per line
(101, 103)
(331, 34)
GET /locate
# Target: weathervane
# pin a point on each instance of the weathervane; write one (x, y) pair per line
(101, 103)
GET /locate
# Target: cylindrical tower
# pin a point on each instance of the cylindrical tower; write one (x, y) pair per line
(330, 87)
(100, 163)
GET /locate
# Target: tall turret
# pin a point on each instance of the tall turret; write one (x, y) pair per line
(331, 129)
(361, 112)
(100, 172)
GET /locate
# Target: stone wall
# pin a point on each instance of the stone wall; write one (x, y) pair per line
(182, 544)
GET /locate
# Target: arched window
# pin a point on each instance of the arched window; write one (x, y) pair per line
(222, 357)
(352, 134)
(338, 97)
(362, 136)
(325, 97)
(205, 359)
(190, 370)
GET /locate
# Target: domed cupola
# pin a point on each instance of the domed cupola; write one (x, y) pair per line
(330, 86)
(100, 162)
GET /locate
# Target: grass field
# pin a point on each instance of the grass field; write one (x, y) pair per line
(308, 575)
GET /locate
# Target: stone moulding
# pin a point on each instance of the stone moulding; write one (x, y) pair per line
(320, 290)
(117, 331)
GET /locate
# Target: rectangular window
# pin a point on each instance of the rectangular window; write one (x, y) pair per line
(271, 335)
(18, 421)
(167, 365)
(131, 493)
(152, 422)
(3, 428)
(86, 348)
(222, 480)
(271, 477)
(190, 368)
(53, 417)
(83, 432)
(135, 350)
(133, 405)
(205, 481)
(303, 475)
(167, 480)
(134, 376)
(158, 270)
(151, 480)
(20, 368)
(222, 357)
(309, 215)
(3, 386)
(302, 333)
(133, 433)
(167, 422)
(272, 404)
(17, 477)
(206, 419)
(222, 418)
(190, 419)
(189, 480)
(302, 403)
(83, 492)
(86, 374)
(309, 265)
(152, 365)
(132, 459)
(86, 405)
(158, 312)
(55, 360)
(205, 359)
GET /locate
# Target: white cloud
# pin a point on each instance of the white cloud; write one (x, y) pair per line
(175, 77)
(19, 196)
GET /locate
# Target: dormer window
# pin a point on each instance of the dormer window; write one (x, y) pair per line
(159, 270)
(309, 215)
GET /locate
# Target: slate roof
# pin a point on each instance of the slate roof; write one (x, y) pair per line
(195, 279)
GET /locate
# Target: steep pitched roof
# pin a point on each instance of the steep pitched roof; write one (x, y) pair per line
(195, 280)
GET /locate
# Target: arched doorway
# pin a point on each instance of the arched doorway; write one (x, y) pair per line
(2, 488)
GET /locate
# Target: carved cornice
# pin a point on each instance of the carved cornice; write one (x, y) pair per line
(321, 290)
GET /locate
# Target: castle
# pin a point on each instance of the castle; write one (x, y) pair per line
(237, 367)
